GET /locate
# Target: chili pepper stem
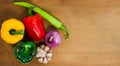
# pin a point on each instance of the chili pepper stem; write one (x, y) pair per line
(13, 32)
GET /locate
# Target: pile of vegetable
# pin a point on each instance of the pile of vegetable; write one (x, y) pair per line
(13, 31)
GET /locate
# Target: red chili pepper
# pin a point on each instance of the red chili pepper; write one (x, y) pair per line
(34, 27)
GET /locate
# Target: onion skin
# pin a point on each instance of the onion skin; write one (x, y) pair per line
(52, 39)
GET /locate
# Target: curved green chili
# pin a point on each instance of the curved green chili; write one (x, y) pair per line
(55, 22)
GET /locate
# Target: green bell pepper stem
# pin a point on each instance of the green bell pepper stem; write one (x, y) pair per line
(55, 22)
(26, 49)
(13, 32)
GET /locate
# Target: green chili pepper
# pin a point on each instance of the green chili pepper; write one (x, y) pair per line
(25, 51)
(55, 22)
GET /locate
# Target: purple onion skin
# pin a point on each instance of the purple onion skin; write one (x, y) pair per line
(52, 39)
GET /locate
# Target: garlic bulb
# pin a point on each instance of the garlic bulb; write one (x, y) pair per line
(44, 54)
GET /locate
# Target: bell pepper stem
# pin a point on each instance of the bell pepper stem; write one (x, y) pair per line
(30, 11)
(13, 32)
(26, 49)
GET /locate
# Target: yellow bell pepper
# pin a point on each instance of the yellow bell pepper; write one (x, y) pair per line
(12, 31)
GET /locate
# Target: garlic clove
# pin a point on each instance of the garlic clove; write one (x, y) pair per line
(49, 58)
(49, 54)
(47, 48)
(38, 49)
(38, 55)
(40, 60)
(45, 61)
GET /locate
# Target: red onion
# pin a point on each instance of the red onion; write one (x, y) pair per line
(52, 39)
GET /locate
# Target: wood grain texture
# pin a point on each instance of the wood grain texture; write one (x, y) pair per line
(93, 26)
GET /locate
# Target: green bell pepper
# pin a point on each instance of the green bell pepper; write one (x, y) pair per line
(25, 51)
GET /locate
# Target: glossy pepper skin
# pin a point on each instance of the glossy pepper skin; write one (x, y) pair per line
(34, 27)
(25, 51)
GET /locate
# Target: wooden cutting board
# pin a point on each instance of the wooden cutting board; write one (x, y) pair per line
(94, 27)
